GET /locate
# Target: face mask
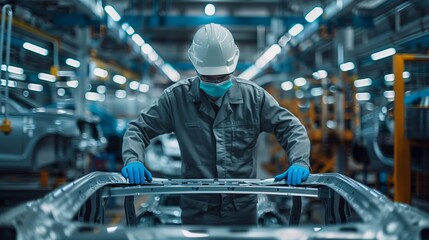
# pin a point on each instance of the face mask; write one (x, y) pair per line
(216, 89)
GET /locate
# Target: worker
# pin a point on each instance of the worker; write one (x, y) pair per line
(217, 119)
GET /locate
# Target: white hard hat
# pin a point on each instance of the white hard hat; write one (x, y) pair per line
(213, 51)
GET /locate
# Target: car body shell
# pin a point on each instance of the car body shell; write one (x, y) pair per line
(43, 137)
(165, 209)
(54, 216)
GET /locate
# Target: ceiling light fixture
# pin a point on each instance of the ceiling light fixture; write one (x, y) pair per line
(347, 66)
(383, 54)
(47, 77)
(363, 82)
(99, 72)
(210, 9)
(300, 81)
(286, 86)
(296, 29)
(314, 14)
(363, 96)
(112, 13)
(35, 48)
(137, 39)
(119, 79)
(72, 62)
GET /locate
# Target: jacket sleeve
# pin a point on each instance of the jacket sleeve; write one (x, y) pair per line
(289, 131)
(154, 121)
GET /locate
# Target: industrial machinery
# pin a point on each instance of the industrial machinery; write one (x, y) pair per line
(77, 211)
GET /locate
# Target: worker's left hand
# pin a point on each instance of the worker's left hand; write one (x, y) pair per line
(294, 175)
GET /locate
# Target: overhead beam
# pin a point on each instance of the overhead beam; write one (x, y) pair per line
(192, 21)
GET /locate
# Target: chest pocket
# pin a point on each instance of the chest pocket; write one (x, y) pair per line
(243, 142)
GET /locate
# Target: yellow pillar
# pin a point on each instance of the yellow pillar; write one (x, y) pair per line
(402, 162)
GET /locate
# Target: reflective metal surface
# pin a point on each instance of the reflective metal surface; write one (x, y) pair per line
(54, 216)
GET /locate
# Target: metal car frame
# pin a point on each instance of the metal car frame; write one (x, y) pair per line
(76, 210)
(164, 209)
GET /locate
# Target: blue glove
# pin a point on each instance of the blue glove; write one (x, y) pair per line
(136, 173)
(295, 175)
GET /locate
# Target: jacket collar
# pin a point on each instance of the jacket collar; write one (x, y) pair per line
(234, 93)
(194, 91)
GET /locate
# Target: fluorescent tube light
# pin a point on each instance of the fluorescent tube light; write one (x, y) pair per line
(159, 62)
(363, 82)
(112, 13)
(268, 55)
(404, 74)
(383, 54)
(134, 85)
(125, 26)
(35, 87)
(153, 56)
(147, 49)
(101, 89)
(296, 29)
(92, 96)
(389, 94)
(137, 39)
(73, 83)
(286, 86)
(12, 69)
(47, 77)
(314, 14)
(119, 79)
(143, 88)
(35, 48)
(261, 62)
(121, 93)
(272, 52)
(171, 73)
(250, 72)
(320, 74)
(10, 83)
(300, 81)
(99, 72)
(130, 30)
(284, 40)
(364, 96)
(347, 66)
(391, 77)
(72, 62)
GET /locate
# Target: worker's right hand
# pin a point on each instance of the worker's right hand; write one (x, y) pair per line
(136, 173)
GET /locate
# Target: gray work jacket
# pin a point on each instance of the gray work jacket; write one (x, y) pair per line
(218, 145)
